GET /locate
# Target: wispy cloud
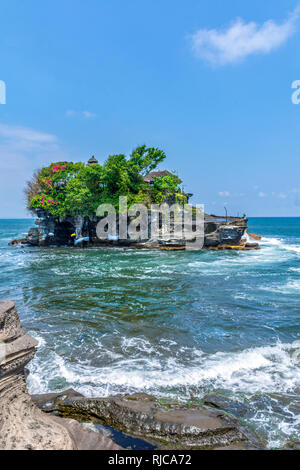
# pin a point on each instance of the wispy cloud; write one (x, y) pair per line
(89, 115)
(224, 193)
(84, 114)
(23, 150)
(241, 39)
(261, 194)
(26, 134)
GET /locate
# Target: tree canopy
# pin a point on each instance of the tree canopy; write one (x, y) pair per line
(66, 188)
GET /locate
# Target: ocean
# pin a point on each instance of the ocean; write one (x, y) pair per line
(173, 324)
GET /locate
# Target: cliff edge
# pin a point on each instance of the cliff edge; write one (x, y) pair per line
(22, 425)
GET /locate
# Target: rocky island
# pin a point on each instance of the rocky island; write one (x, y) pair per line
(65, 197)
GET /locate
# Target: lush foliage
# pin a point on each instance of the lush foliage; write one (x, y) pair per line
(75, 188)
(166, 188)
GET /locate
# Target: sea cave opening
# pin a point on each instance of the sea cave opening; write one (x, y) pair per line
(63, 232)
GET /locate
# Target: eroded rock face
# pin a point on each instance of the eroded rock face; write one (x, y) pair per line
(54, 231)
(171, 425)
(222, 402)
(22, 424)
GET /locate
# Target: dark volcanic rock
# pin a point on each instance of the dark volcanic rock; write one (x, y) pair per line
(55, 231)
(222, 402)
(33, 237)
(212, 239)
(20, 241)
(49, 401)
(292, 445)
(174, 426)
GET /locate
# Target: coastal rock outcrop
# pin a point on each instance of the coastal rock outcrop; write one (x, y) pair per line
(54, 421)
(22, 424)
(170, 425)
(67, 231)
(219, 401)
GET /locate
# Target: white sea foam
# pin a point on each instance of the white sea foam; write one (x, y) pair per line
(290, 287)
(281, 244)
(272, 250)
(265, 369)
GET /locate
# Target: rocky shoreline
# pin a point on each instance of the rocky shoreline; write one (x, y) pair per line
(166, 425)
(79, 231)
(58, 421)
(22, 425)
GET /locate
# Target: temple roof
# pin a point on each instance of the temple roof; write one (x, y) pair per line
(92, 161)
(155, 174)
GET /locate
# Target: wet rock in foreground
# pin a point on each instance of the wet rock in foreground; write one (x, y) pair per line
(292, 445)
(172, 425)
(220, 401)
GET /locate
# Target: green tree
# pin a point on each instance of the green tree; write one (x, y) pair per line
(165, 187)
(144, 159)
(66, 188)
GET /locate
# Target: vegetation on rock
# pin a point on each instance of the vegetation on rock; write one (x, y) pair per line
(67, 189)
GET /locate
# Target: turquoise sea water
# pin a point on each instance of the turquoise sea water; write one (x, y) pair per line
(174, 324)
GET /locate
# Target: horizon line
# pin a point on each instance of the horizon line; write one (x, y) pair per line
(248, 217)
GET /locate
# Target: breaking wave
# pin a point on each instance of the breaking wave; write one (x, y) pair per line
(265, 369)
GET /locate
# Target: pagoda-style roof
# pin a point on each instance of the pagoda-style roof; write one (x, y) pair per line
(155, 174)
(92, 161)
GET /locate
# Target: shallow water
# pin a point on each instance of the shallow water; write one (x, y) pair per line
(175, 324)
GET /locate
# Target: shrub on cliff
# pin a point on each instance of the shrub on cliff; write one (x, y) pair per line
(167, 188)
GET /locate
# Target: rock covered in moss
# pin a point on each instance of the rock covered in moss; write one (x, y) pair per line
(173, 425)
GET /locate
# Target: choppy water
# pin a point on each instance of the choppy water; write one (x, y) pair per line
(175, 324)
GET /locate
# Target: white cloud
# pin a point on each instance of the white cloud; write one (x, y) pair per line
(23, 150)
(25, 134)
(224, 193)
(261, 194)
(70, 113)
(84, 114)
(280, 195)
(241, 39)
(89, 115)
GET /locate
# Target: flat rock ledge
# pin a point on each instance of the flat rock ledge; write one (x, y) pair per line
(22, 425)
(169, 426)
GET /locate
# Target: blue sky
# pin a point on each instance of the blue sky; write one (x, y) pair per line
(207, 81)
